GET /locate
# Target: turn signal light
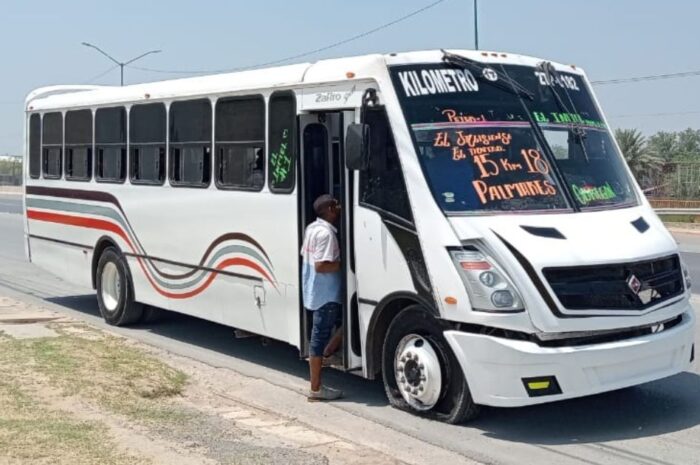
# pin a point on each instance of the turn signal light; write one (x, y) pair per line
(449, 300)
(480, 265)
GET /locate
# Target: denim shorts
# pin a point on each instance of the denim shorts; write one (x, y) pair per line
(324, 319)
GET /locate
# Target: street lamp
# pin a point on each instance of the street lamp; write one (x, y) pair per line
(119, 63)
(476, 25)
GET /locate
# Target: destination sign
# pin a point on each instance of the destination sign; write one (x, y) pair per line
(437, 81)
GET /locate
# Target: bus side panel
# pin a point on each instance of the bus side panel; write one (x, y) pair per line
(63, 250)
(222, 255)
(144, 292)
(381, 269)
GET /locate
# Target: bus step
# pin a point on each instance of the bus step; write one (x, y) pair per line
(240, 334)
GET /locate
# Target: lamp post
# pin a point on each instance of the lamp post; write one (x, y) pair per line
(476, 24)
(120, 63)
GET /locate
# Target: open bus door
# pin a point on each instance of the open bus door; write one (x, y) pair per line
(322, 137)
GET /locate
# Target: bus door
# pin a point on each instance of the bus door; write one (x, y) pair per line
(323, 171)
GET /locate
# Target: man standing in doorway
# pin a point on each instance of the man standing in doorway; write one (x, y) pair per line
(322, 281)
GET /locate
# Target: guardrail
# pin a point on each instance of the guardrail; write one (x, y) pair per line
(674, 203)
(677, 211)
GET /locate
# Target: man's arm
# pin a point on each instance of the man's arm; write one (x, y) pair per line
(327, 267)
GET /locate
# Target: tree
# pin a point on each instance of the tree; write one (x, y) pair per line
(644, 164)
(664, 145)
(689, 144)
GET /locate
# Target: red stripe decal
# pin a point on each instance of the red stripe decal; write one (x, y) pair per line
(90, 223)
(103, 225)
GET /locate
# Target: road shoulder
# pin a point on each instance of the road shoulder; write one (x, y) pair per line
(229, 413)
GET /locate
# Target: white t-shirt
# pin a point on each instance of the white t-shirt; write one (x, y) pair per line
(320, 245)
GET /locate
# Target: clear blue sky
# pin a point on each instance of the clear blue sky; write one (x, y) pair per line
(609, 38)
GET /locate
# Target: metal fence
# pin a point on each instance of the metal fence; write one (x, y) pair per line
(10, 171)
(676, 181)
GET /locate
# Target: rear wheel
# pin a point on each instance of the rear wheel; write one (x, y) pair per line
(115, 290)
(421, 374)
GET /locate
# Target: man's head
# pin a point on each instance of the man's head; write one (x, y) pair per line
(327, 208)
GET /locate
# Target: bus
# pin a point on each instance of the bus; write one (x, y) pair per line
(496, 249)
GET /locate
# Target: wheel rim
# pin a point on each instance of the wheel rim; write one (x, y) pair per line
(418, 373)
(111, 286)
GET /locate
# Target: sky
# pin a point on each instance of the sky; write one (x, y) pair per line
(40, 43)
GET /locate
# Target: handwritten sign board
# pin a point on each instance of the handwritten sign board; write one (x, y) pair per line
(504, 161)
(282, 132)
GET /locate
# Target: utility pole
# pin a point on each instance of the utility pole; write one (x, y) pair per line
(476, 24)
(121, 64)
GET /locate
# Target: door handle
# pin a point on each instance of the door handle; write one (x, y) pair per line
(259, 296)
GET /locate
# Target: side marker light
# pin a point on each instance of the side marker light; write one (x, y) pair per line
(541, 386)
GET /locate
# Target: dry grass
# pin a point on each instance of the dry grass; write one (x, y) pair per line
(31, 432)
(98, 369)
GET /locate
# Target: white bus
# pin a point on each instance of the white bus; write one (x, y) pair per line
(497, 250)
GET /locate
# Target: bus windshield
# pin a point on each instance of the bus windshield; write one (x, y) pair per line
(480, 152)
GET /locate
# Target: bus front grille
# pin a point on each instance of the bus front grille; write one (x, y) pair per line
(625, 286)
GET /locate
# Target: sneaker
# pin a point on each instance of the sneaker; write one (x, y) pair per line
(325, 393)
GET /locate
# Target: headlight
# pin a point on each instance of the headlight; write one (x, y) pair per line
(686, 275)
(489, 287)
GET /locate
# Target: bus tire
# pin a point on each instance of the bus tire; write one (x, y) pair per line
(430, 381)
(115, 290)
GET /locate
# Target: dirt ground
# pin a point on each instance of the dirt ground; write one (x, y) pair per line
(74, 394)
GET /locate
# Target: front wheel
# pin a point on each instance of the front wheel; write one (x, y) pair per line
(421, 374)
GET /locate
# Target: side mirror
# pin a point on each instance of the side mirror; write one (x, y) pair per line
(357, 147)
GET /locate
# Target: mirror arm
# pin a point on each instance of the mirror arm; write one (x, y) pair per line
(369, 99)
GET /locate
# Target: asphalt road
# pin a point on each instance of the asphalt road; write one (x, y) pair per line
(10, 203)
(654, 424)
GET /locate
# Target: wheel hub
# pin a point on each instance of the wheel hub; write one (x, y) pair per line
(110, 286)
(418, 372)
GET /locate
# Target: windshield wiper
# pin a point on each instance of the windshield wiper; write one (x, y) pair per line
(551, 76)
(479, 69)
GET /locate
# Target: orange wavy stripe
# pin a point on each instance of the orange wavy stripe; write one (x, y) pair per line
(103, 225)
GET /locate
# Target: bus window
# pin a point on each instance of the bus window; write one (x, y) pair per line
(190, 143)
(147, 125)
(110, 144)
(35, 146)
(282, 140)
(52, 135)
(382, 185)
(240, 143)
(79, 145)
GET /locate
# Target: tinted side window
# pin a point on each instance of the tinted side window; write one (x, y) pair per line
(190, 143)
(78, 161)
(382, 185)
(240, 143)
(52, 138)
(282, 139)
(35, 145)
(147, 125)
(110, 144)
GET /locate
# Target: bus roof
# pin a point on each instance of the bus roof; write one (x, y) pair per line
(323, 71)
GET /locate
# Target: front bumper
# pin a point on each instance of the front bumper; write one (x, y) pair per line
(495, 367)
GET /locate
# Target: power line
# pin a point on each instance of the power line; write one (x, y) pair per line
(96, 77)
(653, 77)
(644, 115)
(298, 55)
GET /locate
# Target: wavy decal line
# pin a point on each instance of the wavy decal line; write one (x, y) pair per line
(105, 197)
(110, 213)
(122, 229)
